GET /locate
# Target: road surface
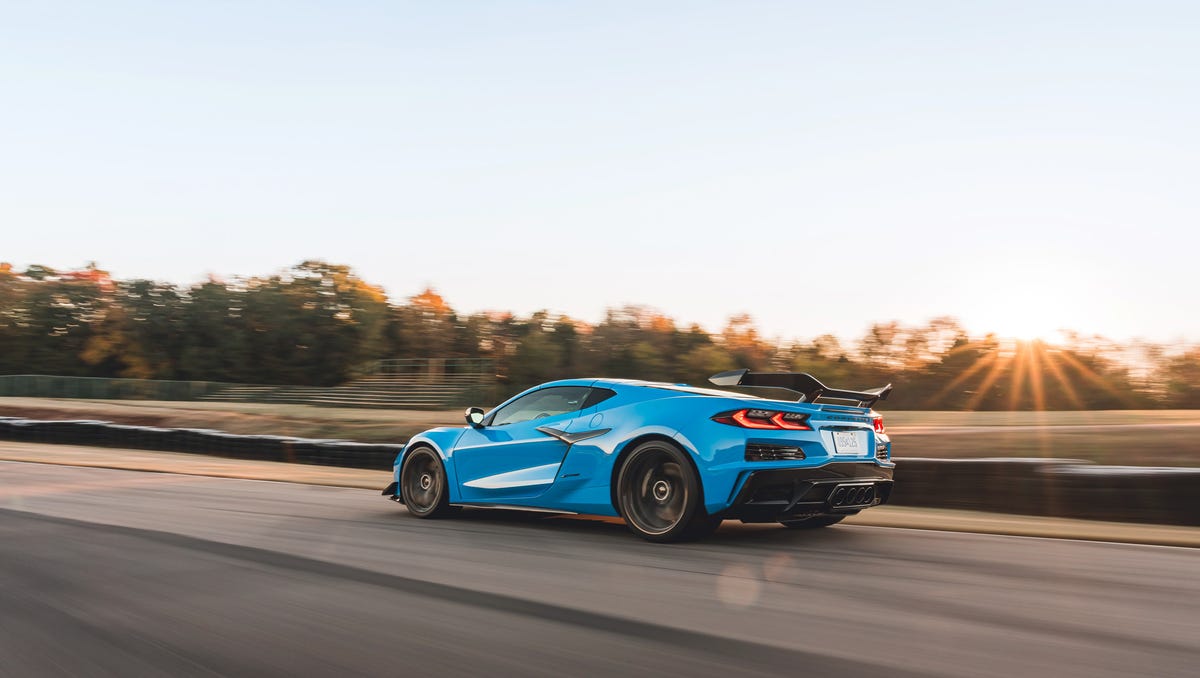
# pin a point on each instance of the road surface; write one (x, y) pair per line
(122, 573)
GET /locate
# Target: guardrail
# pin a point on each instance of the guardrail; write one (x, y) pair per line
(1053, 487)
(202, 441)
(1068, 488)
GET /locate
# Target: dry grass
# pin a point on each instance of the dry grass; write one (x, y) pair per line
(1121, 437)
(366, 425)
(1080, 418)
(1138, 437)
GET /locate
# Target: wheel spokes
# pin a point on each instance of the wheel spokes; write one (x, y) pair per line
(659, 493)
(423, 483)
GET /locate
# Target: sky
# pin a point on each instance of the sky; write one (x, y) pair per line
(1022, 166)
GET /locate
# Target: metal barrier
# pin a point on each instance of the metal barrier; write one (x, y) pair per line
(1067, 488)
(202, 441)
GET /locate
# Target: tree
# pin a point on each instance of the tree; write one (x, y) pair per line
(537, 359)
(139, 335)
(741, 340)
(1181, 375)
(213, 339)
(317, 322)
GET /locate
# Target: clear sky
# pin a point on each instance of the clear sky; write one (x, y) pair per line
(1023, 166)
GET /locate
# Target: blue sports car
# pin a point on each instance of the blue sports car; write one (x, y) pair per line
(672, 460)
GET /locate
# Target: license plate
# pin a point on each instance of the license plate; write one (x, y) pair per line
(849, 442)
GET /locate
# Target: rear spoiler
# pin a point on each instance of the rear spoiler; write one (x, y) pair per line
(806, 385)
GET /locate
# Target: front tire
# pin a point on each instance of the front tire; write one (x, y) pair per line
(812, 523)
(659, 495)
(423, 484)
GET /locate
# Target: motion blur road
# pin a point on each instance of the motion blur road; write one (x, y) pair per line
(123, 573)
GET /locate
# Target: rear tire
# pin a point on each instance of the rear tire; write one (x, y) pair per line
(423, 484)
(812, 523)
(660, 497)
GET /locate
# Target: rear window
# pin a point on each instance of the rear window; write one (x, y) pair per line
(597, 396)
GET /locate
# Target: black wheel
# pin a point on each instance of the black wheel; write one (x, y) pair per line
(812, 523)
(659, 495)
(423, 484)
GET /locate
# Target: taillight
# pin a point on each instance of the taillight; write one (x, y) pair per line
(791, 421)
(753, 419)
(878, 420)
(765, 420)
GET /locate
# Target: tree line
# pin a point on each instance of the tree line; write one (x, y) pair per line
(318, 323)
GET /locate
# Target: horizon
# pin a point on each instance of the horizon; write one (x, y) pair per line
(1022, 168)
(1063, 338)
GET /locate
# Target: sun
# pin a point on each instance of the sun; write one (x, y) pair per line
(1031, 332)
(1024, 318)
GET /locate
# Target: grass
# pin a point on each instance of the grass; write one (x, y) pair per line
(1120, 437)
(1134, 437)
(365, 425)
(1140, 446)
(1079, 418)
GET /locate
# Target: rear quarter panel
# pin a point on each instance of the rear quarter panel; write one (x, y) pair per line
(585, 480)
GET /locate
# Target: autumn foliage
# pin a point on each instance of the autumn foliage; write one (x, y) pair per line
(317, 323)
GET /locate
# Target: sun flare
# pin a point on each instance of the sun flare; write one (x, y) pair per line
(1023, 319)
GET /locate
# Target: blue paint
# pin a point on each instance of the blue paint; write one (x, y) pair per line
(517, 465)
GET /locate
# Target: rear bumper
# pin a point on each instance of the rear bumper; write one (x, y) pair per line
(840, 488)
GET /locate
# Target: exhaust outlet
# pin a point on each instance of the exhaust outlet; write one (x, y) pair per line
(852, 495)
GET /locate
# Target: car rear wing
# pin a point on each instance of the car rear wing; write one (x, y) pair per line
(802, 383)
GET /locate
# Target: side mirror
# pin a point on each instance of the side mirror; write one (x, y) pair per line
(475, 417)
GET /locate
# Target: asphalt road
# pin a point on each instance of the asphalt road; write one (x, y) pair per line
(122, 573)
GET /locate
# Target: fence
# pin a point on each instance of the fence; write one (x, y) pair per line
(478, 370)
(418, 383)
(47, 386)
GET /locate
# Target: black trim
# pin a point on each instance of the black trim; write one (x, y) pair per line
(775, 494)
(572, 438)
(598, 395)
(773, 452)
(391, 492)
